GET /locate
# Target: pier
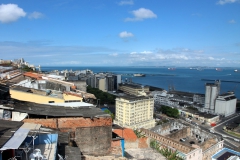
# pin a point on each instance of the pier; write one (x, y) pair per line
(220, 80)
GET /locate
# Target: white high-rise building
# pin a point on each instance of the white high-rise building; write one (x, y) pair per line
(211, 94)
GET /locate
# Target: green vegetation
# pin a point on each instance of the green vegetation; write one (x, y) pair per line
(192, 108)
(169, 154)
(27, 69)
(232, 133)
(171, 112)
(139, 134)
(109, 112)
(105, 98)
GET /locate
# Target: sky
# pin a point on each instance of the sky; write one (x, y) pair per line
(121, 32)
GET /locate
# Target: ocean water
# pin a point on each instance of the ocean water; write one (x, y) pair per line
(183, 79)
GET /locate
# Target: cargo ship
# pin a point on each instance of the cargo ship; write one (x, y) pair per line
(139, 75)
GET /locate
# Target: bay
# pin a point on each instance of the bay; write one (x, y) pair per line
(182, 79)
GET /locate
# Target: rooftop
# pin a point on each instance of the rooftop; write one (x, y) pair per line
(126, 133)
(201, 114)
(224, 154)
(133, 98)
(51, 93)
(7, 129)
(133, 85)
(33, 75)
(57, 111)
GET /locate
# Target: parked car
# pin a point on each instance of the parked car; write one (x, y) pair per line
(212, 131)
(224, 136)
(235, 139)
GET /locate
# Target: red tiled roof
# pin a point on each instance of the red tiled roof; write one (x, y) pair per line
(33, 75)
(128, 134)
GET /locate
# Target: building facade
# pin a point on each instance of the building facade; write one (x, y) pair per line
(226, 104)
(133, 89)
(212, 91)
(134, 112)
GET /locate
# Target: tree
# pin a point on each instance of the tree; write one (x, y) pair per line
(105, 98)
(171, 112)
(109, 112)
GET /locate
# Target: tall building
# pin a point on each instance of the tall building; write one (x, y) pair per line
(101, 84)
(110, 82)
(212, 91)
(134, 112)
(226, 104)
(133, 89)
(117, 81)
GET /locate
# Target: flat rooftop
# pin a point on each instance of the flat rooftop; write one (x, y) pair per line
(72, 104)
(50, 93)
(201, 114)
(224, 154)
(133, 98)
(133, 85)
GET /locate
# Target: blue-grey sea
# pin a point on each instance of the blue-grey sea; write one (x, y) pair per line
(183, 79)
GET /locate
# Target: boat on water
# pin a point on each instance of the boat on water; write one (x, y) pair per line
(171, 68)
(236, 70)
(139, 75)
(218, 69)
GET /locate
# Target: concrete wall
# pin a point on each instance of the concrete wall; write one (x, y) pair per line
(183, 133)
(93, 136)
(25, 96)
(207, 154)
(165, 128)
(71, 124)
(94, 140)
(167, 142)
(56, 86)
(81, 85)
(37, 98)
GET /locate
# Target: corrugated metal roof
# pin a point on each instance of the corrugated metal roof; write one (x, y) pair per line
(31, 126)
(7, 129)
(57, 111)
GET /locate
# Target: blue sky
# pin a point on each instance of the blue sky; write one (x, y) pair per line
(121, 32)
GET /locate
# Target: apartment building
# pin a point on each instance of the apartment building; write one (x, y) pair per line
(134, 112)
(133, 89)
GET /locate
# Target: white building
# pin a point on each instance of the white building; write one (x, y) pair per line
(212, 91)
(226, 104)
(134, 112)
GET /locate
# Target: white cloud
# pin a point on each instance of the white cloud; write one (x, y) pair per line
(133, 53)
(35, 15)
(130, 2)
(146, 52)
(10, 13)
(125, 34)
(114, 54)
(141, 14)
(222, 2)
(232, 21)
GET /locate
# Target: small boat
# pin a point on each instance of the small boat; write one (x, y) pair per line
(139, 75)
(218, 69)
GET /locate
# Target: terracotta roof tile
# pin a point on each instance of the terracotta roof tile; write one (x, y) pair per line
(33, 75)
(128, 134)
